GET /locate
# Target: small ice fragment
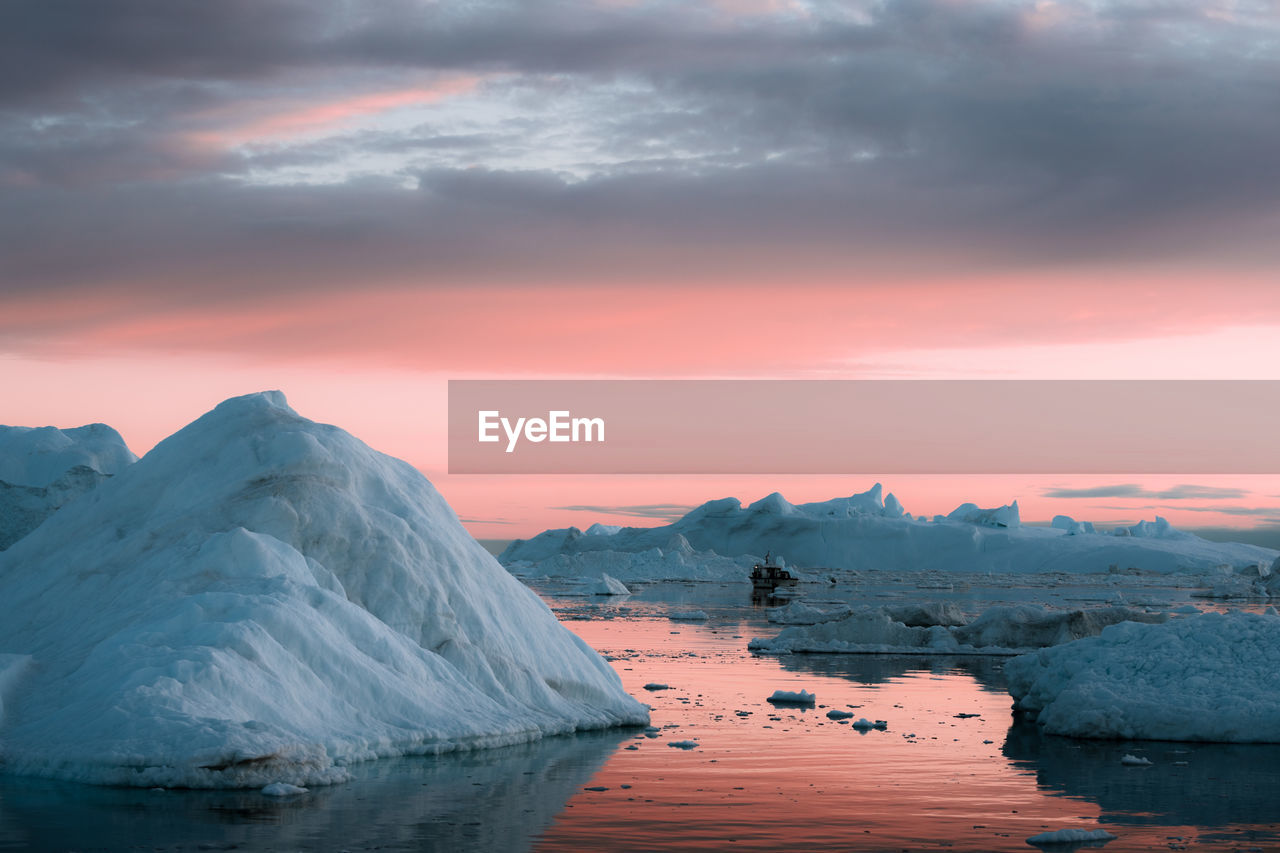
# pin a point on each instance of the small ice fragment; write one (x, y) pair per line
(1070, 836)
(837, 714)
(653, 685)
(683, 744)
(282, 789)
(789, 697)
(595, 788)
(864, 724)
(1135, 761)
(689, 616)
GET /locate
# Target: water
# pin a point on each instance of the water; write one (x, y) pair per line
(761, 777)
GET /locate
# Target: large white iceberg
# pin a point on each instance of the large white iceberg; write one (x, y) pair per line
(1213, 677)
(866, 532)
(265, 599)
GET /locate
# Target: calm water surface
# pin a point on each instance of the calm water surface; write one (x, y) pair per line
(952, 770)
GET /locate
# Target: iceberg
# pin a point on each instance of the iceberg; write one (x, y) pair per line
(1212, 677)
(44, 468)
(37, 456)
(867, 532)
(898, 629)
(263, 599)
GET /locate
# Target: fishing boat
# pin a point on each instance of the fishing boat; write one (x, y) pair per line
(768, 576)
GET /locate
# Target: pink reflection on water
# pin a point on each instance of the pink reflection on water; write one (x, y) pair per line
(788, 778)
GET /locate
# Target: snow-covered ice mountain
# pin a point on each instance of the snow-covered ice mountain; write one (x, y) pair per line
(866, 532)
(261, 599)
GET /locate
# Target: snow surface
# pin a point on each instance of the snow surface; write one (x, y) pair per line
(43, 468)
(24, 508)
(999, 630)
(37, 456)
(1212, 677)
(264, 599)
(721, 539)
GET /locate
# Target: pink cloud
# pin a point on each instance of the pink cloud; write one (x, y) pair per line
(276, 119)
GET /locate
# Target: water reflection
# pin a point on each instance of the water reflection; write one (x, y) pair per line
(1218, 785)
(497, 799)
(987, 671)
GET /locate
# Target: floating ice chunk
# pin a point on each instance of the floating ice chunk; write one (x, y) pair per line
(999, 630)
(837, 714)
(1070, 836)
(282, 789)
(610, 586)
(1186, 609)
(653, 685)
(788, 697)
(689, 615)
(1135, 761)
(683, 744)
(1212, 677)
(864, 724)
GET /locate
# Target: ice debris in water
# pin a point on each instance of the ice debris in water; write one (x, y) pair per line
(789, 697)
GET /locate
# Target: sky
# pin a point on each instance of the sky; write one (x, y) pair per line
(355, 202)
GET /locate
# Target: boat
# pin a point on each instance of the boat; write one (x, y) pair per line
(768, 576)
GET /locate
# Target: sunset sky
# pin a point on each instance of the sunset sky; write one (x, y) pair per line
(355, 202)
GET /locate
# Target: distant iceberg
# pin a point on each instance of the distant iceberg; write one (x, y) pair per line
(720, 539)
(44, 468)
(37, 456)
(263, 599)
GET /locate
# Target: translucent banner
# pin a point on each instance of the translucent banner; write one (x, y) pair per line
(860, 427)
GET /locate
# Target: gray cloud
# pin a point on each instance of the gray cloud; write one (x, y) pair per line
(657, 140)
(666, 512)
(1132, 490)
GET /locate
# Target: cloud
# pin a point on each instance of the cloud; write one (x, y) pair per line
(156, 157)
(666, 512)
(1264, 514)
(1132, 490)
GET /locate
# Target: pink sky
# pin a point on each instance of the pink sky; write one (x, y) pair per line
(356, 207)
(378, 364)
